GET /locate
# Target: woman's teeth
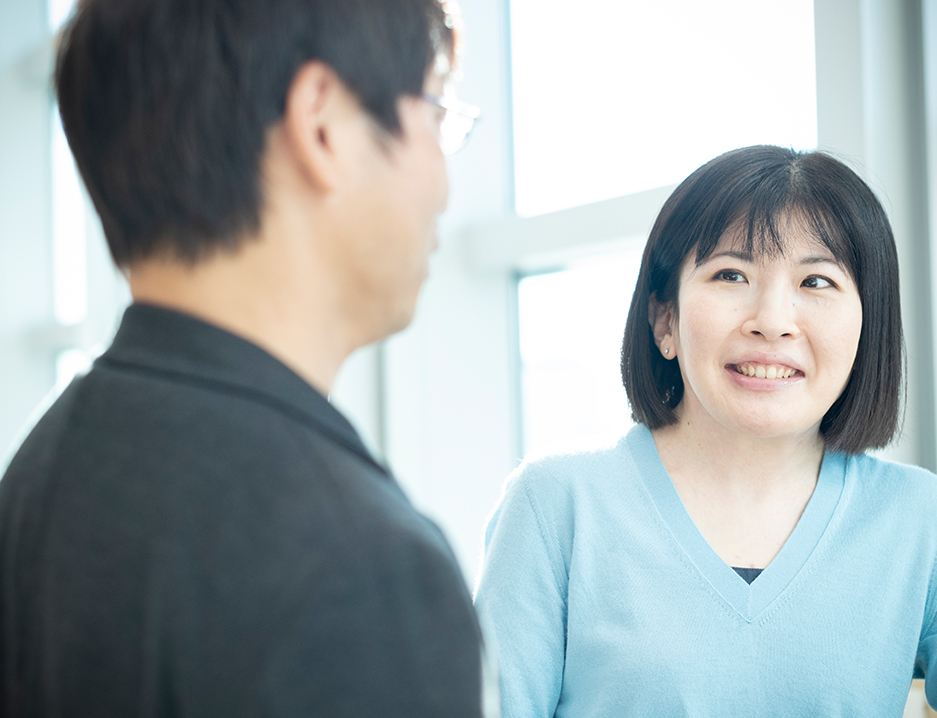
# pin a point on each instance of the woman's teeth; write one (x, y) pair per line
(765, 372)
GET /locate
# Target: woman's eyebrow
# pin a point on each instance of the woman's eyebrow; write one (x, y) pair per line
(809, 259)
(741, 256)
(820, 259)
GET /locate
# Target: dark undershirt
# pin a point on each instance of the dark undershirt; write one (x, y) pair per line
(749, 574)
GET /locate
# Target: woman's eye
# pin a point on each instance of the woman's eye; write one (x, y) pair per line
(730, 275)
(816, 282)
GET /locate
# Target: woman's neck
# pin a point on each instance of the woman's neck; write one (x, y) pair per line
(744, 493)
(707, 452)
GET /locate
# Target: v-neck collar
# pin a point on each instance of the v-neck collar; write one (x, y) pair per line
(748, 600)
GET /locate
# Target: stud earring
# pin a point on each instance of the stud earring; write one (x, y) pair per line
(666, 351)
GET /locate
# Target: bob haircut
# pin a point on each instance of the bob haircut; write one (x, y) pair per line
(754, 190)
(166, 103)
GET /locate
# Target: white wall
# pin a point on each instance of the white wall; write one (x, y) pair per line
(871, 111)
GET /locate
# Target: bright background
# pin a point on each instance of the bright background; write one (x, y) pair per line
(592, 112)
(712, 76)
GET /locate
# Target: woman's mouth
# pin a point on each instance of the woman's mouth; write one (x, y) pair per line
(766, 371)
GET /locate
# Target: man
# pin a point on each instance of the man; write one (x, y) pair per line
(192, 529)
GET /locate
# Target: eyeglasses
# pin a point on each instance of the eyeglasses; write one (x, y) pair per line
(456, 123)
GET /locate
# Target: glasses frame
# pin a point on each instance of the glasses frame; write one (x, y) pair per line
(458, 122)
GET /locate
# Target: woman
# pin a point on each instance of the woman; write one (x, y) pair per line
(736, 553)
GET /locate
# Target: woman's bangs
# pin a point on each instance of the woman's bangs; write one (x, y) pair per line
(763, 231)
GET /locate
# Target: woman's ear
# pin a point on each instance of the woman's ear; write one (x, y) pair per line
(662, 318)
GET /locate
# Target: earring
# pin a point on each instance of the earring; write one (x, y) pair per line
(666, 351)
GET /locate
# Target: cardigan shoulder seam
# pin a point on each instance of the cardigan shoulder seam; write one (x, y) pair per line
(550, 540)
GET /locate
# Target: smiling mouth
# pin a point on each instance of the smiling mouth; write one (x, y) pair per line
(766, 371)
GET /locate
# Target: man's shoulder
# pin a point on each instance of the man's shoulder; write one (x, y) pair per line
(156, 421)
(241, 532)
(124, 466)
(180, 442)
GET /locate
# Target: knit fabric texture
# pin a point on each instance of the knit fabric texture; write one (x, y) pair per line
(605, 599)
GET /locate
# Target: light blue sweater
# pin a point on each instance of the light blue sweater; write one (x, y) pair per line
(606, 601)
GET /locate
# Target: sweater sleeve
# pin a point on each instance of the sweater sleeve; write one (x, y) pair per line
(522, 590)
(926, 664)
(928, 651)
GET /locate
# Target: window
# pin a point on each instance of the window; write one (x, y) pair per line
(59, 10)
(69, 232)
(613, 97)
(614, 102)
(570, 326)
(69, 236)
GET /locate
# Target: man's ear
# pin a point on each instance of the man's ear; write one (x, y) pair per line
(662, 318)
(317, 102)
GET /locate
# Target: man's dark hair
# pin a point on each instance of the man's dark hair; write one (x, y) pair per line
(166, 103)
(754, 190)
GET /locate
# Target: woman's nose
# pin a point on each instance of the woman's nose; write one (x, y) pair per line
(773, 315)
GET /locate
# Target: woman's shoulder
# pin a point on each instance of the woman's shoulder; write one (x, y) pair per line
(587, 466)
(590, 456)
(870, 466)
(879, 477)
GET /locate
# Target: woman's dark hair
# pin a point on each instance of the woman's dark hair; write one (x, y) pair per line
(756, 189)
(166, 103)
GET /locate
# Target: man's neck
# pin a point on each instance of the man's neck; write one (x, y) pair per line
(259, 298)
